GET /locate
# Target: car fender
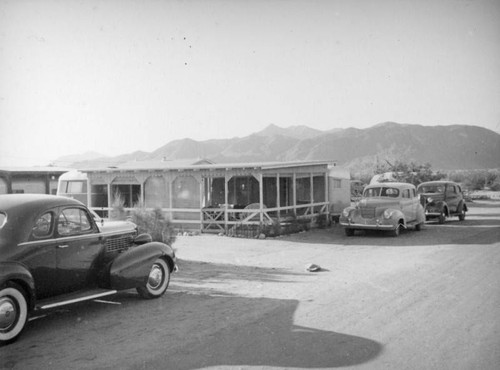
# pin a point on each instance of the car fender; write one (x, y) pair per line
(420, 214)
(441, 205)
(397, 215)
(131, 268)
(14, 271)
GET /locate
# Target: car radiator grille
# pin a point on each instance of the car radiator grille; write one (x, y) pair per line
(368, 212)
(116, 244)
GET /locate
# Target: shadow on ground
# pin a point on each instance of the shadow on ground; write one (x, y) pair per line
(263, 334)
(188, 328)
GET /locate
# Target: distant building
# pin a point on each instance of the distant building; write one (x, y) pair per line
(37, 180)
(201, 195)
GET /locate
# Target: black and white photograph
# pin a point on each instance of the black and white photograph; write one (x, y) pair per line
(250, 184)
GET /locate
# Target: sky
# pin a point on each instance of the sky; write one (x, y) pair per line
(119, 76)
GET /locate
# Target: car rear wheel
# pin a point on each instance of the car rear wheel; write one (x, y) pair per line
(461, 216)
(418, 227)
(13, 312)
(349, 232)
(157, 282)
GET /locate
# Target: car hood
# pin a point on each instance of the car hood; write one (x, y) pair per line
(378, 203)
(116, 226)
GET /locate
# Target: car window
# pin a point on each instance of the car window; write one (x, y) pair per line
(73, 221)
(43, 226)
(390, 192)
(451, 189)
(414, 193)
(3, 219)
(431, 189)
(381, 192)
(406, 193)
(372, 192)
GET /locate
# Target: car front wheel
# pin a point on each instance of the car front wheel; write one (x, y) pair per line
(395, 232)
(442, 217)
(157, 281)
(13, 312)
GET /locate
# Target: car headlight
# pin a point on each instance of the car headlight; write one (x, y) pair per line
(430, 200)
(346, 212)
(388, 213)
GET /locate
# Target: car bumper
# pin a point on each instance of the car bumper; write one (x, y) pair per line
(432, 214)
(366, 224)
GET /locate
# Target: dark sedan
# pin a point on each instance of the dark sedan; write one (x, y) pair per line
(53, 252)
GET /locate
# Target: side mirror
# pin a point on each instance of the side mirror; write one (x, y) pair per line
(143, 239)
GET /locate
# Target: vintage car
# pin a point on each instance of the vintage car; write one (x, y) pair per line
(386, 206)
(53, 252)
(442, 199)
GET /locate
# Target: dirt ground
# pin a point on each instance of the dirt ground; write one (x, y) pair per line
(424, 300)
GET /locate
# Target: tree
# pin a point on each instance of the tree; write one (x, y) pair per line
(412, 172)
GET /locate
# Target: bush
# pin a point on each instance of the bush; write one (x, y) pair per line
(118, 208)
(154, 223)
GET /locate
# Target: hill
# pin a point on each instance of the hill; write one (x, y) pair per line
(444, 147)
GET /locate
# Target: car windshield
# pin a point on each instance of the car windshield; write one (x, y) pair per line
(381, 192)
(431, 189)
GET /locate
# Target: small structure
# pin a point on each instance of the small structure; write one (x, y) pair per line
(33, 180)
(229, 198)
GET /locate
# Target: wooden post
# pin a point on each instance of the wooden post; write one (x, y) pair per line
(89, 192)
(202, 194)
(226, 190)
(326, 199)
(294, 179)
(261, 198)
(278, 202)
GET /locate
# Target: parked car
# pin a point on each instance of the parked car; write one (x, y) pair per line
(442, 199)
(388, 206)
(53, 252)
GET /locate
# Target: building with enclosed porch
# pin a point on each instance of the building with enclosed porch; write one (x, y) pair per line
(208, 197)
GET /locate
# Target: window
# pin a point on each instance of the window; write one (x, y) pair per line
(73, 221)
(3, 219)
(337, 183)
(406, 193)
(43, 226)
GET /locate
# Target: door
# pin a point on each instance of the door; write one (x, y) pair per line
(79, 247)
(408, 205)
(39, 254)
(452, 198)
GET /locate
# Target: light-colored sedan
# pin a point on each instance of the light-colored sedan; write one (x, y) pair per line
(388, 206)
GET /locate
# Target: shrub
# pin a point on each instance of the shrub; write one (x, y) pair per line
(154, 223)
(117, 207)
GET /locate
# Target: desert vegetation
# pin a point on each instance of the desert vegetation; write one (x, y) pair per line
(149, 221)
(416, 173)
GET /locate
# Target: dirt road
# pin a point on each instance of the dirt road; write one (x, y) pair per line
(424, 300)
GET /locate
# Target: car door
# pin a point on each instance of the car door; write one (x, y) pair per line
(407, 205)
(38, 253)
(79, 249)
(452, 197)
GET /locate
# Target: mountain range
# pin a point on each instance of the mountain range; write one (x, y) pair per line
(452, 147)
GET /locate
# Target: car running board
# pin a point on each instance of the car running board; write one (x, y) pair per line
(73, 298)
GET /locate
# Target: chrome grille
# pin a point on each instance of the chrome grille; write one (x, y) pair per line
(368, 212)
(118, 243)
